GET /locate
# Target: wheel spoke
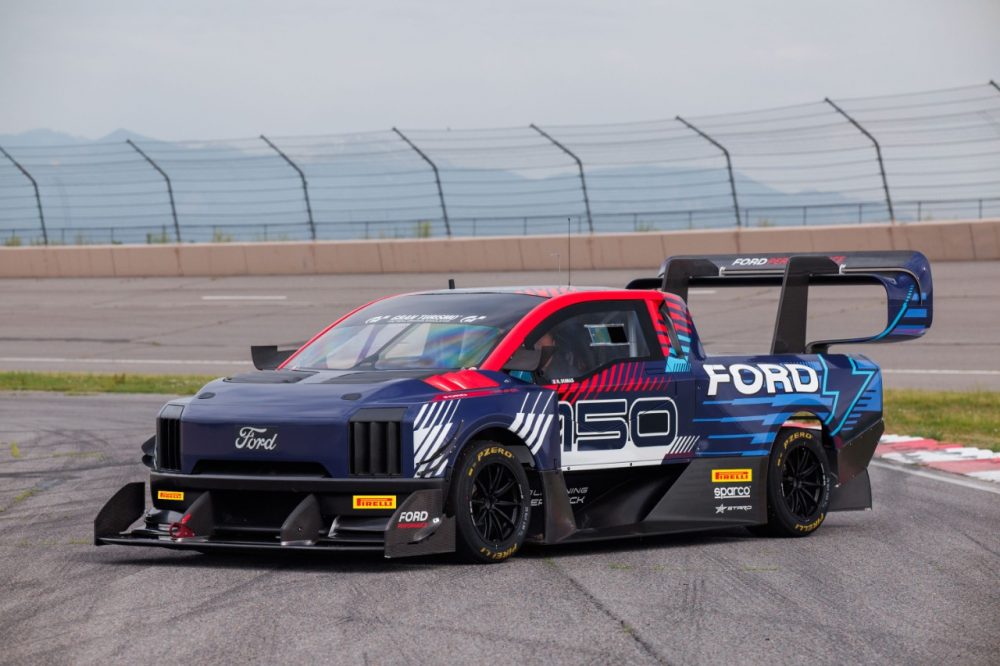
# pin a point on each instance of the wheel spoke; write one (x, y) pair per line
(505, 487)
(808, 471)
(479, 520)
(802, 481)
(808, 503)
(490, 527)
(501, 514)
(495, 502)
(794, 461)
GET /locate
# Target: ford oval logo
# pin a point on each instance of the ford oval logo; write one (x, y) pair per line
(252, 438)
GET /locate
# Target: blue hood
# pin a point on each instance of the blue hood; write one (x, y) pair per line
(280, 417)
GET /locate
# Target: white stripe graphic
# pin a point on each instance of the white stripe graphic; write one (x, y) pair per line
(420, 415)
(438, 433)
(523, 431)
(429, 442)
(539, 437)
(420, 435)
(440, 469)
(548, 402)
(520, 415)
(530, 425)
(438, 437)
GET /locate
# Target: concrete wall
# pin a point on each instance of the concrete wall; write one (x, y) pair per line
(941, 241)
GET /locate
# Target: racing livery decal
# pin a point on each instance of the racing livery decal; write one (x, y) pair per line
(533, 419)
(433, 424)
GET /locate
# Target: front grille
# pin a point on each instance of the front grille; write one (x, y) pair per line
(375, 448)
(259, 468)
(168, 439)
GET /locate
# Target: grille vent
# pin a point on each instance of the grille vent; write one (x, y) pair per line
(375, 448)
(168, 439)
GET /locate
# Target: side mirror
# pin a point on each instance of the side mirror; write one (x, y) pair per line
(267, 357)
(527, 360)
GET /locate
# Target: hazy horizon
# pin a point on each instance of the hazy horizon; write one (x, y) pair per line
(234, 69)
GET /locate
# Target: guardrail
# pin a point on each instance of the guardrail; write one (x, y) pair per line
(643, 251)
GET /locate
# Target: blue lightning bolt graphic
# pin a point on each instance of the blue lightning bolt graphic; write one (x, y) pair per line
(855, 372)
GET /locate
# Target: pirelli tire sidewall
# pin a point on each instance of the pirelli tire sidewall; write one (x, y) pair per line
(780, 517)
(469, 543)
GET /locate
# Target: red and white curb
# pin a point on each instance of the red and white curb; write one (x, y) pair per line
(968, 460)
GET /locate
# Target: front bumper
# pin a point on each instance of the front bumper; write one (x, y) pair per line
(222, 512)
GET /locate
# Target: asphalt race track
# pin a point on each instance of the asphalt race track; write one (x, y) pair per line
(915, 581)
(203, 325)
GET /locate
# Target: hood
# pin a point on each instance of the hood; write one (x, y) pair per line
(266, 422)
(292, 396)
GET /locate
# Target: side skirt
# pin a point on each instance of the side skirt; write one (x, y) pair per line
(707, 493)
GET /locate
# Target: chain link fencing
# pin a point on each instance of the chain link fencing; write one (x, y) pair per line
(903, 158)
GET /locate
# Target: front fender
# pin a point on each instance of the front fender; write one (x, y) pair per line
(443, 428)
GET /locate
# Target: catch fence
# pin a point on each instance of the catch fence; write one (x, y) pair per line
(902, 158)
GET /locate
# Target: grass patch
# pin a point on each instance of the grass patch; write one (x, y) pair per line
(971, 418)
(86, 382)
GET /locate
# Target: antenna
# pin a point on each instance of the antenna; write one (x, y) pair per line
(569, 253)
(451, 283)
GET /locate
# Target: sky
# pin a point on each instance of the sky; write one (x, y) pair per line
(225, 69)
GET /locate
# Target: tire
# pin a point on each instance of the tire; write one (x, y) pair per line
(798, 485)
(491, 500)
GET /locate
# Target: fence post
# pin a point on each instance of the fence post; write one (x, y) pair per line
(170, 188)
(878, 154)
(305, 185)
(579, 165)
(38, 198)
(729, 164)
(437, 179)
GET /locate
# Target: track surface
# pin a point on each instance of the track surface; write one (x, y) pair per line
(915, 581)
(202, 325)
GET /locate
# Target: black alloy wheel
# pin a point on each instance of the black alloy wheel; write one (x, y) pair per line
(496, 502)
(491, 501)
(802, 482)
(798, 484)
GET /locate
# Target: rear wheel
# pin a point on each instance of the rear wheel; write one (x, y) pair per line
(490, 498)
(798, 485)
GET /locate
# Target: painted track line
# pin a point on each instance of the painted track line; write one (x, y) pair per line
(965, 482)
(212, 297)
(134, 361)
(931, 371)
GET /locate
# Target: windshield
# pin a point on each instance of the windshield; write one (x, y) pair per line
(418, 331)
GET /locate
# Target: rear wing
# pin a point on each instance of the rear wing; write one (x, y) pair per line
(906, 277)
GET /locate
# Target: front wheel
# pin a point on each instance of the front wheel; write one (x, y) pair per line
(491, 500)
(798, 485)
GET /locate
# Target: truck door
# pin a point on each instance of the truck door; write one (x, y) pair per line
(606, 364)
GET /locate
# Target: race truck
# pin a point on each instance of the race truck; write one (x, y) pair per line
(477, 420)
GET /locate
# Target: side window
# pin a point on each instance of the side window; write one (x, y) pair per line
(579, 341)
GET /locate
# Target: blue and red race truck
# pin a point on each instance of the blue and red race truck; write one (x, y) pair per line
(475, 420)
